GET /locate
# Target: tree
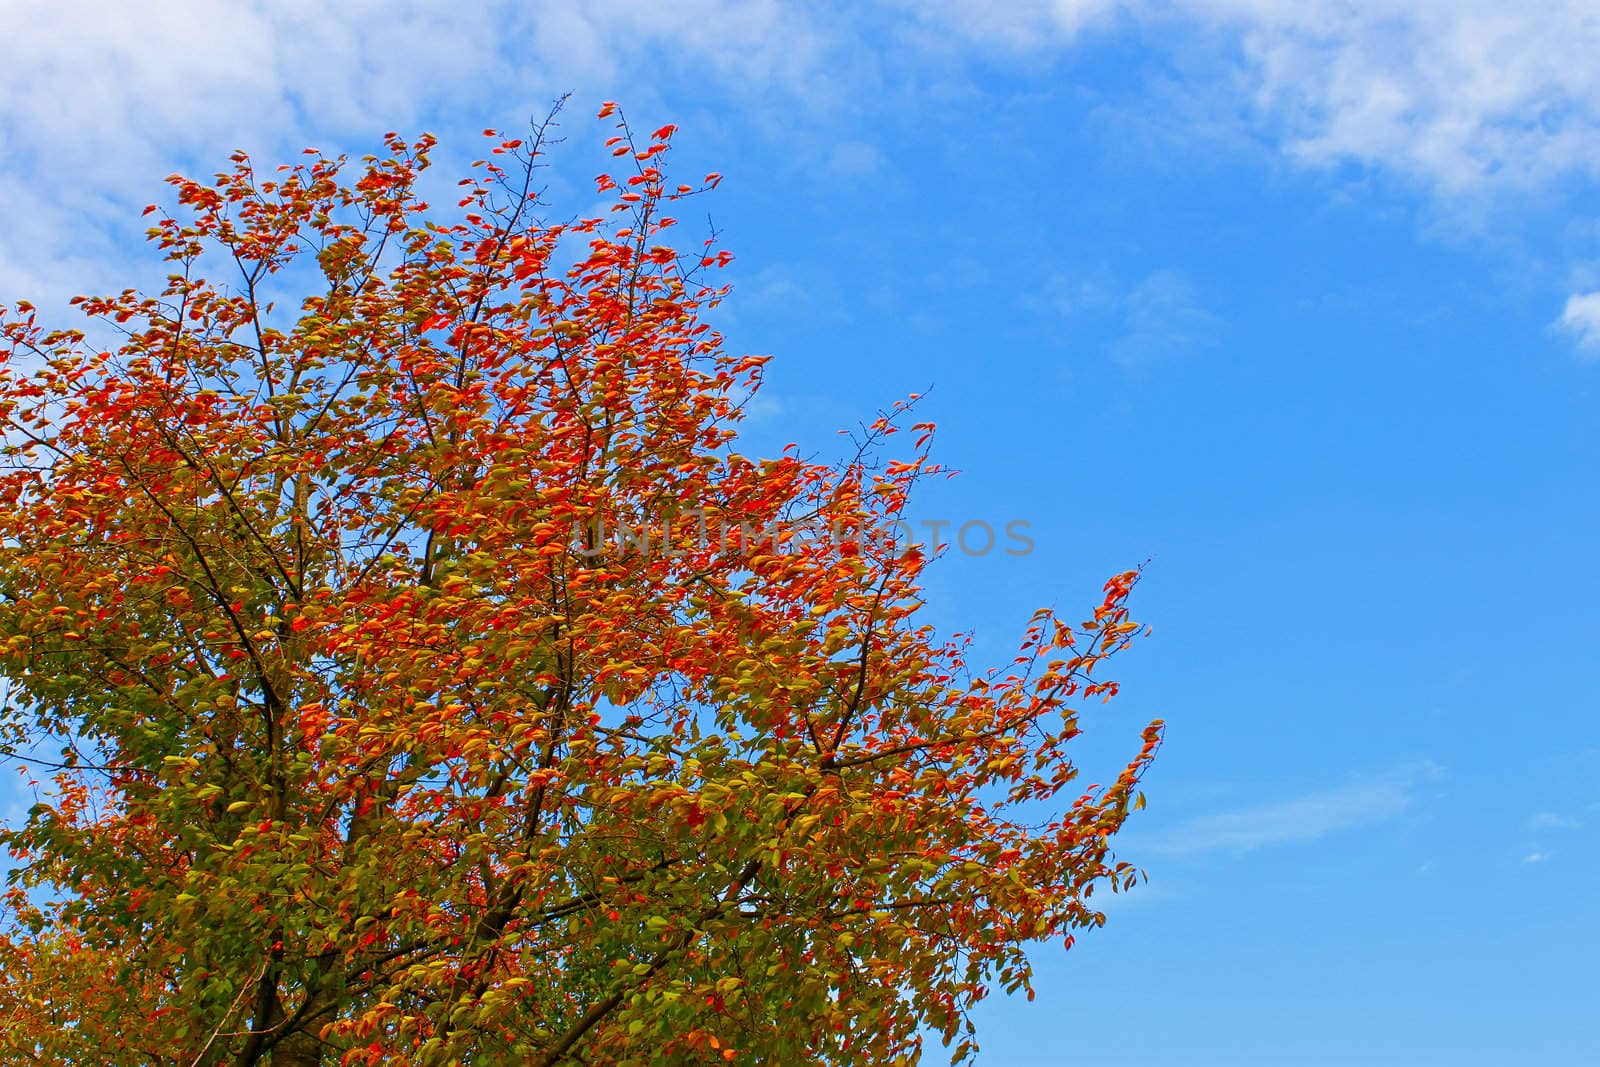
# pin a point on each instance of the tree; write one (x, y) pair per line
(424, 677)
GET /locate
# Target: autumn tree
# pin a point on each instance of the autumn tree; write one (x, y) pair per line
(416, 672)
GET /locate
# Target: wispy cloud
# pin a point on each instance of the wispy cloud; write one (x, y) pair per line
(1163, 316)
(1295, 820)
(1549, 820)
(1458, 95)
(96, 97)
(1016, 26)
(1580, 320)
(1536, 857)
(1159, 317)
(99, 102)
(1462, 96)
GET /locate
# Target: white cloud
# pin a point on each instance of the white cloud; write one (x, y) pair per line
(1458, 94)
(1018, 25)
(1462, 95)
(854, 159)
(98, 102)
(1549, 820)
(1300, 819)
(1159, 317)
(158, 77)
(1163, 316)
(1078, 294)
(1536, 857)
(1580, 320)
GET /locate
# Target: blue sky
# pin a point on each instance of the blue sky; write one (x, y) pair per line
(1299, 301)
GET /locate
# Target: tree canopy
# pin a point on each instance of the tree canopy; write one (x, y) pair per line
(415, 671)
